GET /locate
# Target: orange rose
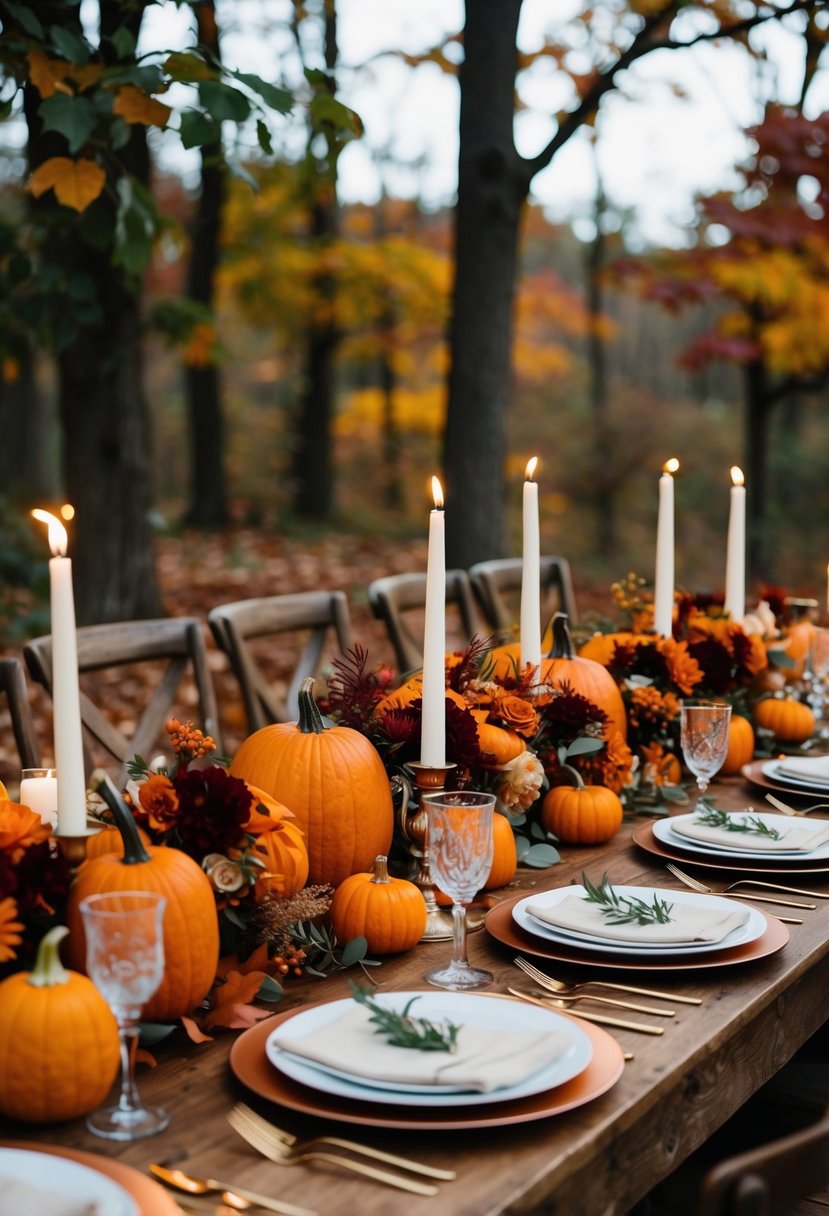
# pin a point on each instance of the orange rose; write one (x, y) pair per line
(517, 714)
(19, 827)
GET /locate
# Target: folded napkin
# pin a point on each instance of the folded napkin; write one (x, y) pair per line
(810, 768)
(794, 839)
(689, 922)
(485, 1057)
(18, 1198)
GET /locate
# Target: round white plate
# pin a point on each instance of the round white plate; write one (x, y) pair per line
(664, 832)
(771, 769)
(67, 1180)
(754, 927)
(459, 1007)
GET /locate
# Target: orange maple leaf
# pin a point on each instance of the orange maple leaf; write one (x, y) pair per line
(76, 183)
(48, 75)
(135, 106)
(232, 999)
(194, 1032)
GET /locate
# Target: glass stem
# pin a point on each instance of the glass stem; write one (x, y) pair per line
(128, 1099)
(459, 958)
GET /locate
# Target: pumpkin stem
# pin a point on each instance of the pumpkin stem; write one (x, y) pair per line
(381, 871)
(562, 642)
(574, 773)
(310, 719)
(134, 850)
(48, 969)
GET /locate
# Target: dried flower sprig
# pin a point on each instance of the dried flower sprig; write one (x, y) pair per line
(714, 818)
(403, 1030)
(625, 910)
(274, 920)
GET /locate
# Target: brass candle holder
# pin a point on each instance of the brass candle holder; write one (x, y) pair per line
(73, 847)
(429, 779)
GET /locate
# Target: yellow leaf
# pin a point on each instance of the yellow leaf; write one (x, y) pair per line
(87, 75)
(48, 75)
(134, 105)
(76, 183)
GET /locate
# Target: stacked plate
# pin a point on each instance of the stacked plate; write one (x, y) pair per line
(789, 840)
(46, 1180)
(808, 774)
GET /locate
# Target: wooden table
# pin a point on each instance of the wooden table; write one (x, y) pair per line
(594, 1161)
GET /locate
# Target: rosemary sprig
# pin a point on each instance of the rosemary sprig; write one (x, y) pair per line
(713, 818)
(625, 910)
(403, 1030)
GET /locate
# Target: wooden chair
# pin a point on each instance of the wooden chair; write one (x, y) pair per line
(13, 684)
(393, 597)
(175, 647)
(497, 584)
(318, 614)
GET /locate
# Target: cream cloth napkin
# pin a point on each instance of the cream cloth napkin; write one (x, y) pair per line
(689, 922)
(19, 1198)
(811, 768)
(794, 839)
(485, 1057)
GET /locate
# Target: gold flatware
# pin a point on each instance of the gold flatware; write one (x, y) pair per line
(702, 889)
(574, 998)
(404, 1163)
(232, 1196)
(562, 989)
(603, 1019)
(790, 810)
(278, 1151)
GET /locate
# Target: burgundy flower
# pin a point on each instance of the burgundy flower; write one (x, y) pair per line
(213, 806)
(715, 661)
(567, 715)
(43, 881)
(645, 660)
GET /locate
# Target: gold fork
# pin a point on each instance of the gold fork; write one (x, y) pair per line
(278, 1151)
(560, 988)
(790, 810)
(414, 1167)
(702, 889)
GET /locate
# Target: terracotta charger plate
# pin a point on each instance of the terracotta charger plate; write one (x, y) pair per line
(251, 1066)
(152, 1199)
(500, 925)
(644, 837)
(754, 775)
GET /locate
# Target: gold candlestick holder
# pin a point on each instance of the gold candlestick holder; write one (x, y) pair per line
(429, 779)
(73, 847)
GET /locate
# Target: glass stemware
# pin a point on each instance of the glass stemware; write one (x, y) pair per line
(703, 738)
(125, 960)
(460, 852)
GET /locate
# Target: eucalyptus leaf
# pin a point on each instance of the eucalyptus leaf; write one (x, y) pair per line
(540, 856)
(354, 951)
(234, 917)
(586, 745)
(522, 847)
(269, 990)
(155, 1032)
(674, 793)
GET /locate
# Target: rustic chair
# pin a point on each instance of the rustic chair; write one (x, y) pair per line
(497, 584)
(397, 597)
(319, 615)
(171, 648)
(13, 684)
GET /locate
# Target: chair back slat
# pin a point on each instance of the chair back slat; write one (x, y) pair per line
(13, 684)
(393, 597)
(497, 585)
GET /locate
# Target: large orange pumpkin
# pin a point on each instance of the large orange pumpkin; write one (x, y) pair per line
(191, 924)
(333, 780)
(789, 721)
(584, 676)
(740, 745)
(581, 814)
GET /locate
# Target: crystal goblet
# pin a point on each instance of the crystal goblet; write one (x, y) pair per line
(125, 960)
(460, 852)
(703, 737)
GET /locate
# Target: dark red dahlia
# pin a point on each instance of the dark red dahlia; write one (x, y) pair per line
(212, 808)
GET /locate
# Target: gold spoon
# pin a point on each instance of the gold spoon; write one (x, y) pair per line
(234, 1198)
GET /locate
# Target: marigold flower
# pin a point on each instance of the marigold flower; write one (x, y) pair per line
(683, 669)
(20, 827)
(159, 802)
(11, 930)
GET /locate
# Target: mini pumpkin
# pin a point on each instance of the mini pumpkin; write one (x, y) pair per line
(503, 745)
(579, 813)
(740, 745)
(390, 913)
(789, 721)
(59, 1047)
(504, 854)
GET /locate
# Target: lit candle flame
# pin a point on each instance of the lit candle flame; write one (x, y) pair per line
(670, 466)
(737, 478)
(529, 472)
(58, 538)
(437, 493)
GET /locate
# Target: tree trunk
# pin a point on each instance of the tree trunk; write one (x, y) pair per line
(604, 501)
(27, 468)
(203, 388)
(758, 411)
(492, 186)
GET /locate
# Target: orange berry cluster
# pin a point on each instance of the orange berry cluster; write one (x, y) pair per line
(290, 961)
(185, 738)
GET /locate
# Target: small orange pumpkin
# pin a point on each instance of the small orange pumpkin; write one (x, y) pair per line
(59, 1047)
(740, 745)
(579, 813)
(410, 691)
(390, 913)
(503, 745)
(789, 721)
(504, 854)
(601, 646)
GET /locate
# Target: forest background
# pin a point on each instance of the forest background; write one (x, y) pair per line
(243, 383)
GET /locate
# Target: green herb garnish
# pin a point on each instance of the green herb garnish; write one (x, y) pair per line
(713, 818)
(403, 1030)
(625, 910)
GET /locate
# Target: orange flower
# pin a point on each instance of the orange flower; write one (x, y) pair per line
(159, 801)
(19, 827)
(516, 713)
(611, 766)
(11, 930)
(683, 669)
(664, 765)
(274, 812)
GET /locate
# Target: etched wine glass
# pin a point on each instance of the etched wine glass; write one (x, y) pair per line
(125, 960)
(703, 737)
(460, 853)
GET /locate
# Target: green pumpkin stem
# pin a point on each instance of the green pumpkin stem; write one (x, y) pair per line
(48, 969)
(574, 773)
(134, 851)
(562, 642)
(310, 719)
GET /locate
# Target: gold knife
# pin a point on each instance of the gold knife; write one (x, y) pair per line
(601, 1018)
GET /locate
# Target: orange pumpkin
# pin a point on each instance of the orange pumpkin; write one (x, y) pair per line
(286, 859)
(334, 782)
(108, 840)
(579, 813)
(59, 1048)
(601, 646)
(410, 691)
(390, 913)
(503, 745)
(191, 925)
(584, 676)
(504, 854)
(789, 721)
(740, 745)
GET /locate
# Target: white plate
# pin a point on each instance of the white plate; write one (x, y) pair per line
(459, 1007)
(665, 834)
(772, 770)
(754, 927)
(67, 1180)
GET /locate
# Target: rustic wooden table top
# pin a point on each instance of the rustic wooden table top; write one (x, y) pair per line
(598, 1159)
